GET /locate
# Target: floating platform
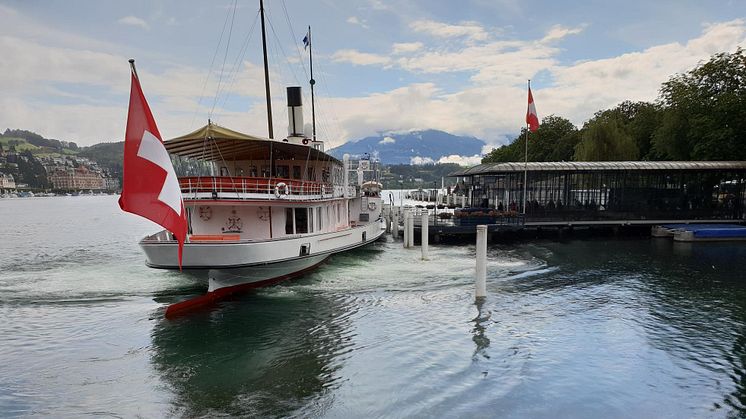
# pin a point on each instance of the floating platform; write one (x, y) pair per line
(700, 232)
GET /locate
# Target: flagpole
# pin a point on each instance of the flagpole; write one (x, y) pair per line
(312, 82)
(132, 67)
(525, 163)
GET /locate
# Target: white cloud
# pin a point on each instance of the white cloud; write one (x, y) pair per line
(558, 32)
(470, 30)
(133, 21)
(387, 140)
(406, 47)
(359, 58)
(354, 20)
(419, 161)
(461, 160)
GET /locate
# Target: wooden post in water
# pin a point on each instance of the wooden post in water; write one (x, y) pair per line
(395, 225)
(405, 225)
(424, 236)
(481, 285)
(410, 229)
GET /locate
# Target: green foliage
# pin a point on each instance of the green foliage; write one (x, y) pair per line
(18, 144)
(108, 155)
(403, 175)
(555, 140)
(704, 115)
(606, 138)
(32, 172)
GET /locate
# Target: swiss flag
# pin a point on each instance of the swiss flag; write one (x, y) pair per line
(150, 187)
(531, 118)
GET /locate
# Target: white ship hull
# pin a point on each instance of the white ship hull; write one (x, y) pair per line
(260, 261)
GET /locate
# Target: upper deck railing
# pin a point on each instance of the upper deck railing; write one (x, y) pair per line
(239, 187)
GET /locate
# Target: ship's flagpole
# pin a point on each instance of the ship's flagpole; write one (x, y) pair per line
(525, 163)
(312, 82)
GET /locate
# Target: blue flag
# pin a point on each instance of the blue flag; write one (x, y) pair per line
(307, 40)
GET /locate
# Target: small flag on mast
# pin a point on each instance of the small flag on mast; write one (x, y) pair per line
(532, 119)
(307, 40)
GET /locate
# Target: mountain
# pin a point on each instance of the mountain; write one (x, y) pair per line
(402, 148)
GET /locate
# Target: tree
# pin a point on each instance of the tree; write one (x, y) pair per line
(704, 115)
(555, 140)
(605, 138)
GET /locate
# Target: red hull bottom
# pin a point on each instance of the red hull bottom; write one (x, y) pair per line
(220, 294)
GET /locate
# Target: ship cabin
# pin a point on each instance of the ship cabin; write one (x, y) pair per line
(238, 187)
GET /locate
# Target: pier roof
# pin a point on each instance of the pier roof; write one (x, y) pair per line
(598, 166)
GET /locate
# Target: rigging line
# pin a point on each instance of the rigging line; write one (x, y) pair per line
(227, 45)
(295, 39)
(282, 50)
(297, 49)
(239, 60)
(207, 78)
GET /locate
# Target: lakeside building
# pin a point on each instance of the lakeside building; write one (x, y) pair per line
(7, 181)
(609, 191)
(76, 179)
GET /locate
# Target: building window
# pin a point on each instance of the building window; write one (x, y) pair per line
(296, 172)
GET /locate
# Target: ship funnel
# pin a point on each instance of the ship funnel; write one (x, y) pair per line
(295, 116)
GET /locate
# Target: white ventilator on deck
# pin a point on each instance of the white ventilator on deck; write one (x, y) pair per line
(481, 282)
(424, 236)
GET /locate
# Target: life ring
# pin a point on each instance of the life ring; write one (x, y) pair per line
(372, 206)
(305, 141)
(281, 189)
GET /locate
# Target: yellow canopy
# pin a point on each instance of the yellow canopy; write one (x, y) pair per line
(215, 143)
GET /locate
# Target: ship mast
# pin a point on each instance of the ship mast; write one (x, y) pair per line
(312, 82)
(266, 72)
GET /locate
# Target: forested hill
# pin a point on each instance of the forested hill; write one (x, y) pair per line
(699, 115)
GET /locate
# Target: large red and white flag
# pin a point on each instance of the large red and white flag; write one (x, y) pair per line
(532, 119)
(150, 187)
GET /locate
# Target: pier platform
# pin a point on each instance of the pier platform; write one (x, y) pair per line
(700, 232)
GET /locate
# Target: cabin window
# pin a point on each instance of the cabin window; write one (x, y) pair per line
(289, 221)
(311, 225)
(252, 171)
(224, 171)
(339, 213)
(283, 171)
(296, 172)
(328, 216)
(301, 220)
(318, 216)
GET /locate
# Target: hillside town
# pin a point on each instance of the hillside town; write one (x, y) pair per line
(23, 174)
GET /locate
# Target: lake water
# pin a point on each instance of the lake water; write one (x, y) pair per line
(578, 329)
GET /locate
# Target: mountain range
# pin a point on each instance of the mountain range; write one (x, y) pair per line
(412, 147)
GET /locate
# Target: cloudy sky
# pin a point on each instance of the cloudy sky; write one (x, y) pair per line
(380, 65)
